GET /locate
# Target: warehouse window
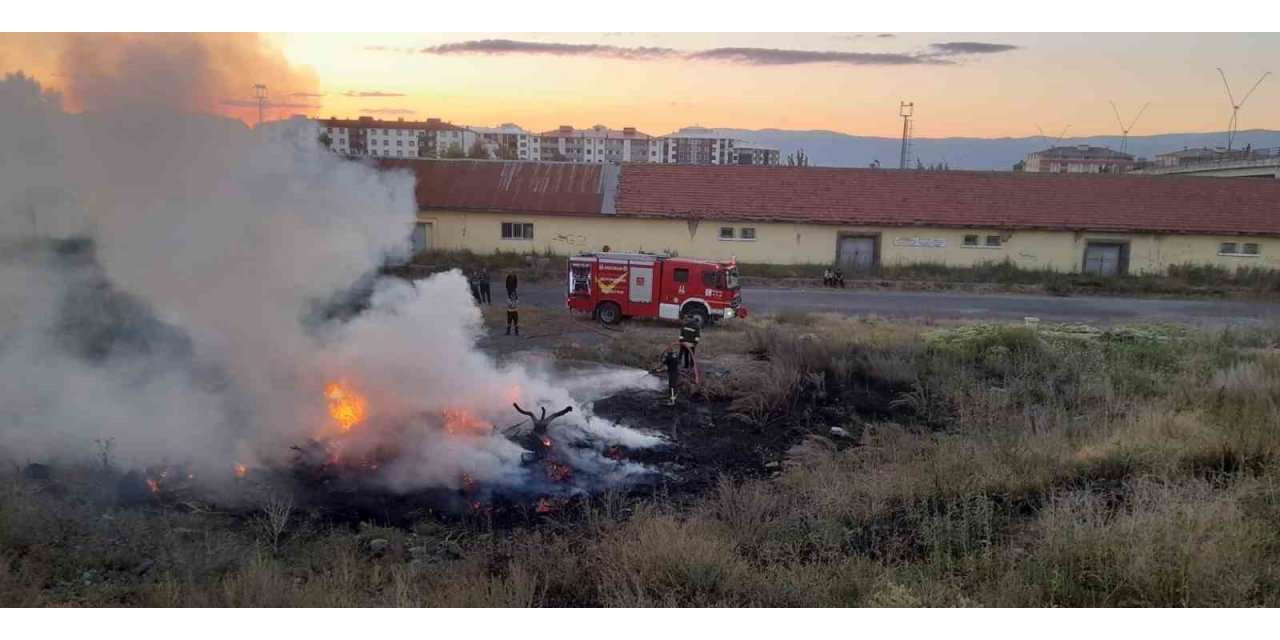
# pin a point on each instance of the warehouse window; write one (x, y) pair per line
(993, 241)
(517, 231)
(971, 241)
(748, 233)
(726, 233)
(1239, 249)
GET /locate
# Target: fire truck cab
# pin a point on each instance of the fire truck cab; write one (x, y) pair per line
(616, 285)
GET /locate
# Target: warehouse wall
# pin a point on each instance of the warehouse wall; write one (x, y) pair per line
(788, 243)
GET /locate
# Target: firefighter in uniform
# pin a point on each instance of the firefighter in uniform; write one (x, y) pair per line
(690, 334)
(671, 362)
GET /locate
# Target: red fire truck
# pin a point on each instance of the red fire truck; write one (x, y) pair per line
(615, 285)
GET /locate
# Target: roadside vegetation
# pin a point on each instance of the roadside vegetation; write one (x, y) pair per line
(1178, 281)
(1012, 466)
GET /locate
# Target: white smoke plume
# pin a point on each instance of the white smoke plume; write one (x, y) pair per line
(185, 330)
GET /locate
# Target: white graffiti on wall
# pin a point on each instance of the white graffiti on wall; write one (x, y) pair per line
(929, 243)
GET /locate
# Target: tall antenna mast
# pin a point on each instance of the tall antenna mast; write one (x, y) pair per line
(905, 109)
(260, 92)
(1124, 138)
(1235, 106)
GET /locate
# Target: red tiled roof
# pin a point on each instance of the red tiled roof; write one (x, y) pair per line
(525, 187)
(997, 200)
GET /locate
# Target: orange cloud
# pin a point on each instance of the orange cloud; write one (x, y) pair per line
(208, 72)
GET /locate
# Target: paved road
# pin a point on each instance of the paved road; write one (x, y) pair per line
(980, 306)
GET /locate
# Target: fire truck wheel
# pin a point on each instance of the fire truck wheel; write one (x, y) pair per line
(609, 313)
(698, 313)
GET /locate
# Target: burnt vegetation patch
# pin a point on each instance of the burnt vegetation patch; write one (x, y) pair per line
(822, 462)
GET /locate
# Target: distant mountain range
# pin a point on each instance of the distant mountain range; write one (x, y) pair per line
(831, 149)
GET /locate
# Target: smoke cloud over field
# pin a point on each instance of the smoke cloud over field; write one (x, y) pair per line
(163, 277)
(192, 72)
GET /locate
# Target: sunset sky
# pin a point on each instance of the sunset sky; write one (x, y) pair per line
(963, 84)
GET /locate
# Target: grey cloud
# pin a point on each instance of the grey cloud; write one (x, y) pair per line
(733, 55)
(499, 47)
(754, 56)
(955, 48)
(371, 94)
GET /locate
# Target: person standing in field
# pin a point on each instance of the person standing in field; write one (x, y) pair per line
(473, 279)
(485, 293)
(513, 314)
(512, 282)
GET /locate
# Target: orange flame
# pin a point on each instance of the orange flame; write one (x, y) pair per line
(153, 485)
(346, 407)
(241, 470)
(462, 421)
(512, 394)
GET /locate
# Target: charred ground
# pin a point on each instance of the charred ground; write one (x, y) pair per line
(978, 464)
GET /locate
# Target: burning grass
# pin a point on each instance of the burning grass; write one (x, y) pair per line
(979, 465)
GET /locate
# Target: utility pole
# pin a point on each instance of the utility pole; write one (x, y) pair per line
(905, 109)
(260, 92)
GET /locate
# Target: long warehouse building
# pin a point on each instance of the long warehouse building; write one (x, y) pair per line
(859, 218)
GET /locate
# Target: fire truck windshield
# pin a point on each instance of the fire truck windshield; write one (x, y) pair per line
(731, 274)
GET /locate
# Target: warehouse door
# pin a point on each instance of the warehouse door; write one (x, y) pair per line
(421, 238)
(1105, 258)
(857, 254)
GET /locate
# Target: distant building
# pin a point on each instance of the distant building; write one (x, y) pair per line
(699, 145)
(1078, 159)
(1220, 163)
(748, 153)
(367, 136)
(1175, 158)
(508, 141)
(600, 144)
(433, 138)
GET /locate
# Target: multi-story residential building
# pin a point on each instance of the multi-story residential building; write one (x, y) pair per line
(699, 145)
(748, 153)
(509, 142)
(1078, 159)
(432, 138)
(600, 144)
